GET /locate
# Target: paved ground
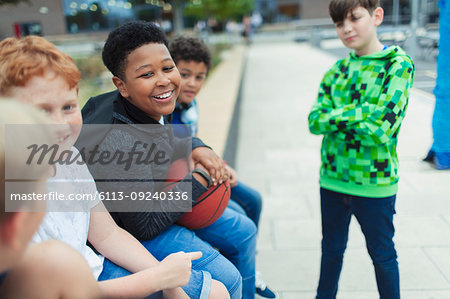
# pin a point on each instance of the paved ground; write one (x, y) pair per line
(277, 155)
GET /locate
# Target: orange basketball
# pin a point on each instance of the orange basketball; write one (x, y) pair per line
(210, 205)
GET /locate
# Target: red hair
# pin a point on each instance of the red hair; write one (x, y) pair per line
(22, 59)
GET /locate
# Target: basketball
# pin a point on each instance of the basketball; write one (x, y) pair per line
(210, 205)
(176, 172)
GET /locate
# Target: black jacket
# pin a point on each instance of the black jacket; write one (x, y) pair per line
(123, 130)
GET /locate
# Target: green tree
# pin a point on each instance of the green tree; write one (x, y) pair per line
(221, 10)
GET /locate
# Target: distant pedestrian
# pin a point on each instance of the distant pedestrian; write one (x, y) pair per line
(246, 28)
(256, 20)
(361, 103)
(440, 151)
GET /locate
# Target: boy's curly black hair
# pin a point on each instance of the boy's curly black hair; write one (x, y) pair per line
(125, 39)
(190, 49)
(339, 9)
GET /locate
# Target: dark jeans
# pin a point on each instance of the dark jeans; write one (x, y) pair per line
(375, 215)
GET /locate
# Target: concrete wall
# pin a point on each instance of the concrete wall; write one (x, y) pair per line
(314, 9)
(307, 9)
(53, 22)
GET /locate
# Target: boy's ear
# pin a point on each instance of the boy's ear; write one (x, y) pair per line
(378, 15)
(10, 229)
(120, 86)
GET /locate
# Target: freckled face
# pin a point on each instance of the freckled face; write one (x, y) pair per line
(151, 80)
(193, 76)
(51, 94)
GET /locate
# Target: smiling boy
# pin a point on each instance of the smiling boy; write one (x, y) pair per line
(37, 73)
(193, 60)
(50, 269)
(148, 84)
(361, 103)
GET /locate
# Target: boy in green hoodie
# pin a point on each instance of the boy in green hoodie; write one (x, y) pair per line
(361, 103)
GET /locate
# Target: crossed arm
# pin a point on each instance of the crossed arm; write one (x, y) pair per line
(370, 124)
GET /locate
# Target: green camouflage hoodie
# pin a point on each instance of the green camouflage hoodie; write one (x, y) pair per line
(359, 110)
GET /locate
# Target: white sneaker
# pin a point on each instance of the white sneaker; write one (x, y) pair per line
(262, 291)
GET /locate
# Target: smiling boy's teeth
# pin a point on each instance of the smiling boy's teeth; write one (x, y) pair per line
(164, 96)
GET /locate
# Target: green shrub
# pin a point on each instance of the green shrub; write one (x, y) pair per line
(91, 66)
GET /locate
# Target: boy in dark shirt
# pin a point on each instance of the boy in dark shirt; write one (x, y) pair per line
(148, 85)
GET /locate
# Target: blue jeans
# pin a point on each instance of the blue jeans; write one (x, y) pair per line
(375, 215)
(234, 235)
(211, 265)
(246, 200)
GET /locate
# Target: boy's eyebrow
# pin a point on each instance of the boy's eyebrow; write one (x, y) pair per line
(66, 99)
(188, 70)
(149, 64)
(143, 66)
(185, 69)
